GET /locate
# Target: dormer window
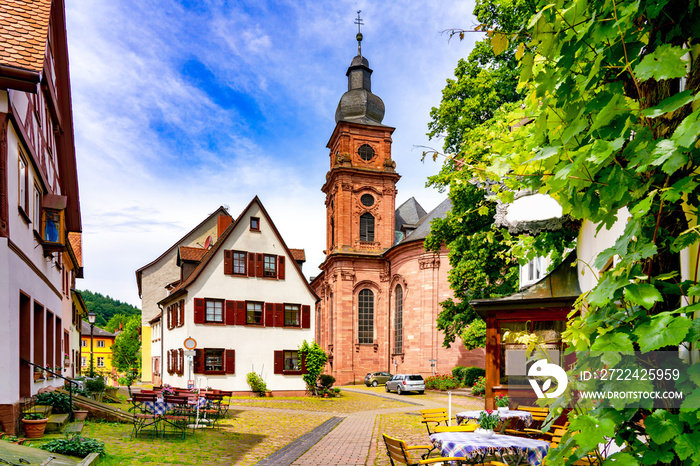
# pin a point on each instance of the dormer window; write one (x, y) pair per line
(254, 224)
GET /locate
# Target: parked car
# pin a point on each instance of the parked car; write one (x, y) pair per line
(376, 378)
(402, 383)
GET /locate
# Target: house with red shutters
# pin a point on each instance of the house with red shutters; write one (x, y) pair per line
(241, 305)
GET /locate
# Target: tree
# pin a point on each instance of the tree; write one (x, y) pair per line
(612, 92)
(126, 352)
(470, 115)
(314, 360)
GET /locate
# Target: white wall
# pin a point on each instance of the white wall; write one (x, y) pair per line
(590, 244)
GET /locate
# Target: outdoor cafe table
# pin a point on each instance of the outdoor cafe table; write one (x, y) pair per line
(525, 416)
(475, 447)
(160, 407)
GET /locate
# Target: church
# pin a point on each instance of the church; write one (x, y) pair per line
(379, 289)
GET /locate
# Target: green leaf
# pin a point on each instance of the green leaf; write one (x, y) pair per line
(692, 402)
(663, 426)
(663, 63)
(659, 455)
(622, 459)
(662, 330)
(669, 104)
(688, 446)
(612, 341)
(643, 294)
(687, 132)
(686, 239)
(499, 42)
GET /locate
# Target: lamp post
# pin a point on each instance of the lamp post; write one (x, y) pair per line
(91, 319)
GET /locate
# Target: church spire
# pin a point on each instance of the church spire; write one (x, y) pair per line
(358, 104)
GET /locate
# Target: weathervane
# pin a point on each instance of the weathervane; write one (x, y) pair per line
(359, 23)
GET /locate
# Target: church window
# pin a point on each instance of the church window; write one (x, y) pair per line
(367, 200)
(366, 316)
(366, 152)
(398, 320)
(366, 227)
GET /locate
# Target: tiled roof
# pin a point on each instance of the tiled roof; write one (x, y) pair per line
(423, 226)
(97, 331)
(24, 28)
(298, 254)
(192, 254)
(76, 243)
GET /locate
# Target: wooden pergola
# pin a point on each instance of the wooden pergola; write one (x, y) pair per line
(541, 308)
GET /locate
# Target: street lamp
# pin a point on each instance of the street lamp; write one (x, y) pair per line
(91, 319)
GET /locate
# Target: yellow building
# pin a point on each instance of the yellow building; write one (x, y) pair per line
(102, 342)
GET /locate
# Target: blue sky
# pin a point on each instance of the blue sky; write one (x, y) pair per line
(181, 107)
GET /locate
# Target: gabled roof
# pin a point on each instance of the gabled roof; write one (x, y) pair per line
(182, 287)
(24, 26)
(423, 226)
(187, 253)
(97, 331)
(408, 213)
(298, 254)
(220, 211)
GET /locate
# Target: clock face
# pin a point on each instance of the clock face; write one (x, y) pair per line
(367, 200)
(366, 152)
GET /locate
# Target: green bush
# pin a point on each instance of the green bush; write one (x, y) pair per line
(479, 387)
(59, 401)
(256, 383)
(458, 372)
(471, 374)
(33, 416)
(95, 385)
(326, 381)
(75, 446)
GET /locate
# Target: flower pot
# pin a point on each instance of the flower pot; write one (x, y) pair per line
(34, 428)
(484, 432)
(503, 409)
(80, 414)
(268, 394)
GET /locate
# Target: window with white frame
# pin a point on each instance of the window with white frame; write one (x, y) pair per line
(100, 343)
(100, 361)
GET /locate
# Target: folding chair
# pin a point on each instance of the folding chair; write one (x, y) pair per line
(400, 453)
(178, 416)
(226, 394)
(213, 409)
(539, 415)
(434, 416)
(144, 416)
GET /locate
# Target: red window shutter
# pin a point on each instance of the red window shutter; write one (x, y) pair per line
(251, 264)
(230, 313)
(269, 320)
(182, 313)
(279, 315)
(279, 362)
(240, 312)
(170, 362)
(168, 311)
(305, 316)
(199, 310)
(230, 361)
(280, 268)
(199, 361)
(259, 264)
(180, 361)
(228, 262)
(303, 365)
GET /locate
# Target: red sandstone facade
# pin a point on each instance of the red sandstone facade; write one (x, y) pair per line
(379, 297)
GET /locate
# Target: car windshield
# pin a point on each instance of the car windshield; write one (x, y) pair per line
(415, 377)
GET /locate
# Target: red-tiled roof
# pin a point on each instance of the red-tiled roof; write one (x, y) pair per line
(192, 254)
(298, 254)
(24, 26)
(76, 243)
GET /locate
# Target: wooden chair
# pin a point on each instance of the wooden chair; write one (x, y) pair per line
(399, 453)
(434, 416)
(213, 408)
(143, 416)
(469, 427)
(178, 418)
(226, 394)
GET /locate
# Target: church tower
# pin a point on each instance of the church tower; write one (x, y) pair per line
(360, 187)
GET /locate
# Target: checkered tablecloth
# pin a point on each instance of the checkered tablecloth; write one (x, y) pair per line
(160, 407)
(475, 447)
(511, 413)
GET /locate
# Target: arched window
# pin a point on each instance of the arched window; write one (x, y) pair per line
(366, 227)
(398, 320)
(365, 309)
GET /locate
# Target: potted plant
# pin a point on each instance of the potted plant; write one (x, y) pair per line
(38, 374)
(488, 420)
(257, 384)
(80, 414)
(502, 402)
(34, 424)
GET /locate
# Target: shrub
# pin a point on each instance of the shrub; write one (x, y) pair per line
(479, 387)
(458, 373)
(326, 381)
(256, 383)
(471, 374)
(75, 446)
(59, 401)
(95, 385)
(33, 416)
(441, 382)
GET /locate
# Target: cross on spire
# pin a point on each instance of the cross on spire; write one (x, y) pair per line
(359, 23)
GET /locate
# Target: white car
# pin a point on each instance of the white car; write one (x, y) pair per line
(402, 383)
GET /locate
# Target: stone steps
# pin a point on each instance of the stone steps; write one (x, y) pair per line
(57, 422)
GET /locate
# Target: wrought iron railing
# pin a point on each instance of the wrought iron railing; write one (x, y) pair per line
(70, 381)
